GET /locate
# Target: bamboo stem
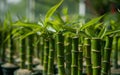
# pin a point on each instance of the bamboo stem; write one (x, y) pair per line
(51, 57)
(115, 52)
(23, 53)
(96, 56)
(106, 56)
(60, 54)
(30, 52)
(80, 57)
(46, 54)
(74, 65)
(68, 48)
(87, 48)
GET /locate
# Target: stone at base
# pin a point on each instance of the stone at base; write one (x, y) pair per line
(22, 72)
(8, 69)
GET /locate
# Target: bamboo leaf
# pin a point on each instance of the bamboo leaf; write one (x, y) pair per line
(30, 25)
(51, 11)
(112, 32)
(102, 32)
(82, 33)
(91, 22)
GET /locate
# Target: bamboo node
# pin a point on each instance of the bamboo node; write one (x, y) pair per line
(86, 44)
(74, 66)
(105, 61)
(60, 66)
(104, 73)
(107, 48)
(96, 67)
(97, 51)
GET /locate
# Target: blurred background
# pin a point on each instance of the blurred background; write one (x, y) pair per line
(33, 9)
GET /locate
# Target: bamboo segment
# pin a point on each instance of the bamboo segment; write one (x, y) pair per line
(96, 56)
(74, 65)
(46, 54)
(51, 57)
(23, 53)
(12, 49)
(115, 52)
(68, 48)
(60, 54)
(106, 56)
(30, 52)
(80, 57)
(41, 50)
(87, 48)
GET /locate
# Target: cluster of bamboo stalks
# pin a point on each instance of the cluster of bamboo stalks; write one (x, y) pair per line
(64, 43)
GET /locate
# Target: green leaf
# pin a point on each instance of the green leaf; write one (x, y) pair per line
(112, 32)
(91, 22)
(51, 11)
(102, 32)
(82, 33)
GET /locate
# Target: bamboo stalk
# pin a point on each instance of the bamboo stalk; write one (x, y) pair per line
(30, 52)
(96, 56)
(60, 54)
(80, 57)
(68, 48)
(23, 53)
(106, 56)
(87, 48)
(115, 52)
(12, 49)
(74, 65)
(51, 57)
(41, 50)
(46, 54)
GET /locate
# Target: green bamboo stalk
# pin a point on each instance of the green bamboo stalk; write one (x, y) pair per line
(80, 57)
(41, 50)
(46, 54)
(12, 49)
(60, 54)
(74, 65)
(51, 57)
(115, 52)
(96, 56)
(38, 47)
(87, 48)
(68, 48)
(30, 52)
(106, 56)
(3, 46)
(23, 53)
